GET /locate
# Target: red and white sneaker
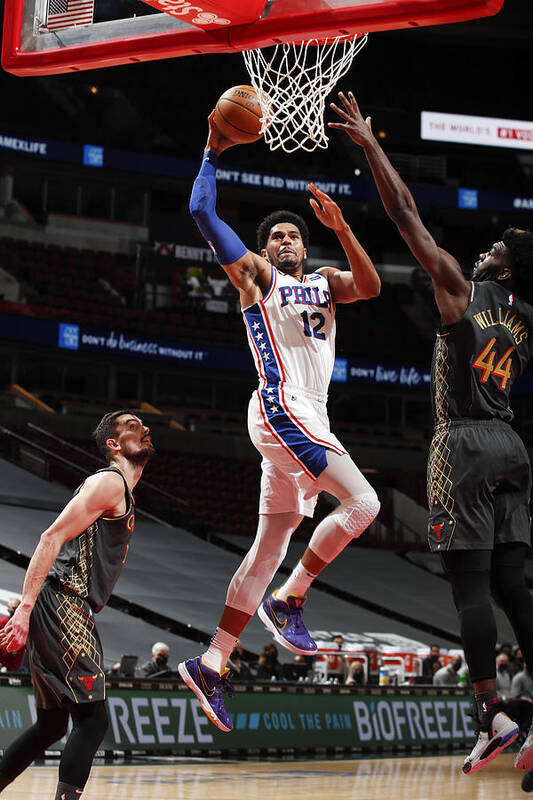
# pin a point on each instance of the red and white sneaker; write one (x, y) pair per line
(501, 733)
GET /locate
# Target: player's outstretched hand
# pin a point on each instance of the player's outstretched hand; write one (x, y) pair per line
(15, 632)
(216, 140)
(357, 128)
(326, 209)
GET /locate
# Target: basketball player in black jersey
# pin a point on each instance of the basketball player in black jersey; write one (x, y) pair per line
(71, 576)
(479, 477)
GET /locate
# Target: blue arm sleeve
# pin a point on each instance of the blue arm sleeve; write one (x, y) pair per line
(227, 246)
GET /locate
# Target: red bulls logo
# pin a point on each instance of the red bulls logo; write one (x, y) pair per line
(437, 529)
(88, 681)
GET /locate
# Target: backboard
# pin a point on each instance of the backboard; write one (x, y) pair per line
(57, 36)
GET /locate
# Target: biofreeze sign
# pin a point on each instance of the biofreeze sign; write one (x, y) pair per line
(411, 720)
(146, 721)
(173, 720)
(491, 131)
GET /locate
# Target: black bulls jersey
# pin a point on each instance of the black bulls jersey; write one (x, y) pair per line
(90, 564)
(477, 360)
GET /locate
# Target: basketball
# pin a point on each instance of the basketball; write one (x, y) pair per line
(238, 114)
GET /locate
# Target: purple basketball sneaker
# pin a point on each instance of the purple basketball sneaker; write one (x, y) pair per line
(284, 621)
(209, 687)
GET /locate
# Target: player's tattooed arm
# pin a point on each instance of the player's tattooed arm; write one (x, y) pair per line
(362, 281)
(451, 287)
(99, 495)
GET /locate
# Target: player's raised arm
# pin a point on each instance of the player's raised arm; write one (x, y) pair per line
(99, 494)
(244, 268)
(400, 205)
(362, 282)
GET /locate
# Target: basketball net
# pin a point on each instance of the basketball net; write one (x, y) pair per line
(292, 81)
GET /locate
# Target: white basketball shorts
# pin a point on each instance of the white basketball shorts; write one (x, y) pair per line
(290, 428)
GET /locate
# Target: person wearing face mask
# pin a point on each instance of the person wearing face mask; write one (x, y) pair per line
(239, 669)
(507, 648)
(268, 666)
(448, 675)
(521, 684)
(519, 663)
(159, 661)
(431, 663)
(503, 676)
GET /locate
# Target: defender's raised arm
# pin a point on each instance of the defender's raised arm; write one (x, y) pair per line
(451, 288)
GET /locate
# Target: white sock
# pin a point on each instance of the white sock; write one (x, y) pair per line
(296, 584)
(216, 656)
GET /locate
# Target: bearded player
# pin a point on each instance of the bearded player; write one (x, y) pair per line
(479, 476)
(70, 577)
(290, 322)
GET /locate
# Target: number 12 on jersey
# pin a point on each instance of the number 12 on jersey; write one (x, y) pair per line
(309, 328)
(485, 363)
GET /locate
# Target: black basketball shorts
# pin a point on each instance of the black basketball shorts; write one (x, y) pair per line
(65, 652)
(479, 486)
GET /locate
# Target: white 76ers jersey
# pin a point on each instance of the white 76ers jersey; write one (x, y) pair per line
(291, 332)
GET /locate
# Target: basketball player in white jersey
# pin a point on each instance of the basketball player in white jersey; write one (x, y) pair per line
(290, 321)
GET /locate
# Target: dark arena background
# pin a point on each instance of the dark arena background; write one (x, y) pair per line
(110, 298)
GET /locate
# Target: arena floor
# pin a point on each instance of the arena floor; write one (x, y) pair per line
(421, 778)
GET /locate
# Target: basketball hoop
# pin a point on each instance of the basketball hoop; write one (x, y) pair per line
(292, 81)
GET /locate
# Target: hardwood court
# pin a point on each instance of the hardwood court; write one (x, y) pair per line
(419, 778)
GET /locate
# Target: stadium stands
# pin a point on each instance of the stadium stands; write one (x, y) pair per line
(98, 288)
(163, 574)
